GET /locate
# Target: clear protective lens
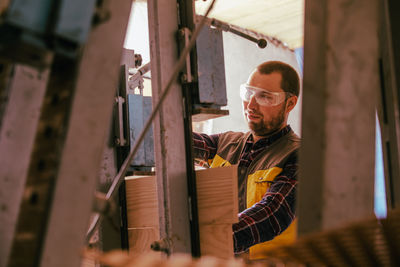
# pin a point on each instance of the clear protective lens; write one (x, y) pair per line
(263, 97)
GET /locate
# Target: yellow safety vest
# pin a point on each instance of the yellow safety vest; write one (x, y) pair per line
(257, 185)
(261, 172)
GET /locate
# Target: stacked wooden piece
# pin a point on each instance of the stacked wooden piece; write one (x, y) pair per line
(142, 212)
(217, 207)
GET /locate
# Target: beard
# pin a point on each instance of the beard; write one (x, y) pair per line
(263, 128)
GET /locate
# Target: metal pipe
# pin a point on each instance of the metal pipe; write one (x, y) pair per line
(262, 43)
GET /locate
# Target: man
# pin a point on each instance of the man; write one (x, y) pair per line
(266, 158)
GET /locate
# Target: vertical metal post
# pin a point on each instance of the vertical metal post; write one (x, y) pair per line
(44, 164)
(389, 106)
(341, 81)
(17, 133)
(169, 128)
(87, 131)
(186, 16)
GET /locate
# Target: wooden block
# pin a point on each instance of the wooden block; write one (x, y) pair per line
(217, 205)
(217, 195)
(141, 201)
(216, 240)
(140, 239)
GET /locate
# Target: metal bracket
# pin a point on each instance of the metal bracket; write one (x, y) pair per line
(130, 79)
(136, 80)
(162, 245)
(184, 35)
(120, 138)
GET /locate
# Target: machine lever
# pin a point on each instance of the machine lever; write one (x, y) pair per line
(262, 43)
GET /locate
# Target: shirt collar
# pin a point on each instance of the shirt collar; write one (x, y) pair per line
(268, 140)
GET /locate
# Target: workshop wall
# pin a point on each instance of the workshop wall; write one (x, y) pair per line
(241, 57)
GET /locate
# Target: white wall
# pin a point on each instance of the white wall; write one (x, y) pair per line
(137, 33)
(241, 58)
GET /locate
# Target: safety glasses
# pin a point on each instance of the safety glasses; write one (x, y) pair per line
(262, 96)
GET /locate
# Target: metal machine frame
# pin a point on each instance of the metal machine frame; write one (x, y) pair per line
(70, 96)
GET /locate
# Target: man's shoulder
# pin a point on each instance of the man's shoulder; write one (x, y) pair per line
(292, 136)
(286, 145)
(230, 135)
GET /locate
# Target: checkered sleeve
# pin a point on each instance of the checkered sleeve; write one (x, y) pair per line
(273, 214)
(205, 147)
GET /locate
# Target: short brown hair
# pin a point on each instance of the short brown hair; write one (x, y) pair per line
(290, 79)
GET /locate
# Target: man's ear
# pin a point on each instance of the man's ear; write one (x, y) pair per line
(291, 103)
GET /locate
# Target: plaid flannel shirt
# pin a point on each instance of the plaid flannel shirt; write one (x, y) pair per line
(274, 213)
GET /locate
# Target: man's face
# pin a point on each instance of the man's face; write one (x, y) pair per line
(263, 120)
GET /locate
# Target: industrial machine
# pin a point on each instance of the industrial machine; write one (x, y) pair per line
(53, 53)
(74, 120)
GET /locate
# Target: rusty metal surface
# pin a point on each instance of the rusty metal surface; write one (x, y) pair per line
(84, 145)
(22, 93)
(43, 166)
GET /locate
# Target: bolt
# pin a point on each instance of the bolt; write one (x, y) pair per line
(183, 78)
(262, 43)
(161, 245)
(182, 32)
